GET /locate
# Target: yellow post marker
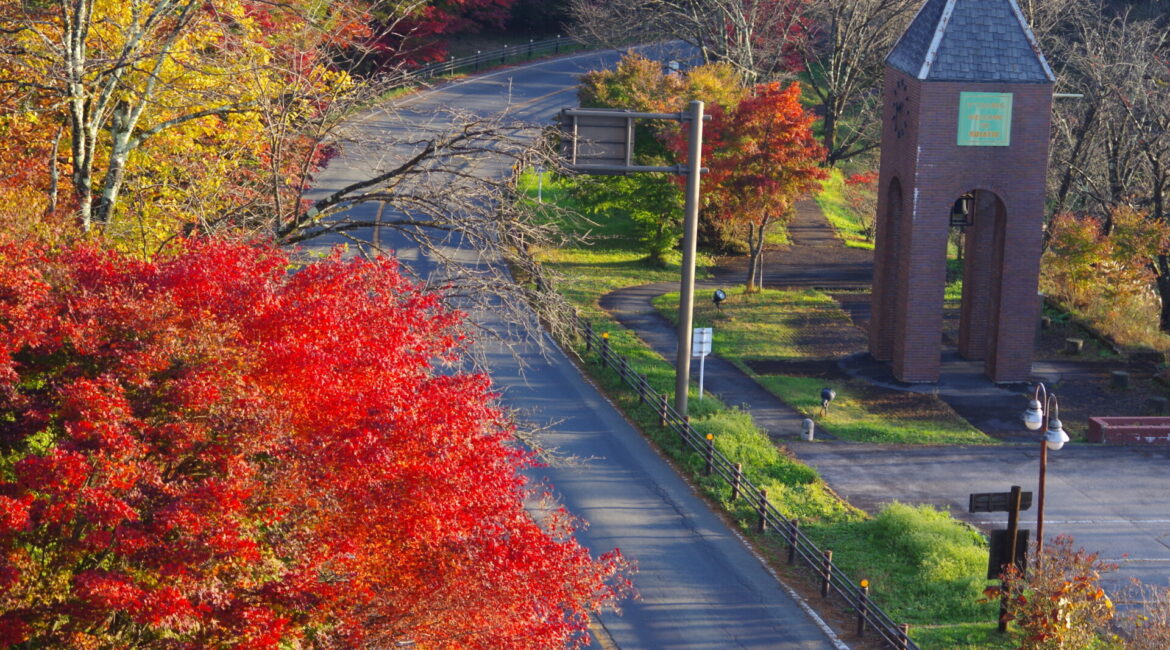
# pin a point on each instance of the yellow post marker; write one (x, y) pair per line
(863, 608)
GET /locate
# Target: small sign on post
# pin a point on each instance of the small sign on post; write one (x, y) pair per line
(1007, 546)
(701, 347)
(997, 502)
(1000, 553)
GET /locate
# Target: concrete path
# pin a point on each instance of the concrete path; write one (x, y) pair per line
(632, 309)
(816, 258)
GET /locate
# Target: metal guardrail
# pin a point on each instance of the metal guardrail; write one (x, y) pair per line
(768, 519)
(482, 60)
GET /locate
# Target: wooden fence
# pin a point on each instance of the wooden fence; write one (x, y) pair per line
(484, 60)
(833, 582)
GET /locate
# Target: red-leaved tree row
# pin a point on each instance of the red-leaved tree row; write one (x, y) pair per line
(208, 451)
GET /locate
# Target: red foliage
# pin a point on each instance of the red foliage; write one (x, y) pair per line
(207, 451)
(763, 155)
(788, 26)
(421, 37)
(862, 178)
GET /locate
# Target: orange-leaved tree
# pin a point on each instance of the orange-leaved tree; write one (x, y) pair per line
(1058, 603)
(766, 159)
(1106, 270)
(204, 450)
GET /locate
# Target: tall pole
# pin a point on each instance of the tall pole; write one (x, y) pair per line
(1013, 532)
(1040, 500)
(686, 293)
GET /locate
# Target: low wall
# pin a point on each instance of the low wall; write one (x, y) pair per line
(1130, 430)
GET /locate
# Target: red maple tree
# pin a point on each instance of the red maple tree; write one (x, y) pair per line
(205, 450)
(421, 34)
(762, 158)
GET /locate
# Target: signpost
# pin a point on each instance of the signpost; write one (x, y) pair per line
(601, 141)
(997, 502)
(701, 347)
(1011, 502)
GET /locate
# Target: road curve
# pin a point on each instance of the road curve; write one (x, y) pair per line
(699, 585)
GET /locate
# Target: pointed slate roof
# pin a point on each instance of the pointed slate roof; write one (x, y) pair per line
(970, 40)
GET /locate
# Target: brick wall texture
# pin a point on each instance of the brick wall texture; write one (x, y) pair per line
(922, 173)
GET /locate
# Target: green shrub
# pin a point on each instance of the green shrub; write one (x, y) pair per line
(945, 561)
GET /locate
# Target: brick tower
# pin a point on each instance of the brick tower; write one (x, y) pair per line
(968, 100)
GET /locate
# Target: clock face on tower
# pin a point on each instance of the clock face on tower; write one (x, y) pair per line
(900, 108)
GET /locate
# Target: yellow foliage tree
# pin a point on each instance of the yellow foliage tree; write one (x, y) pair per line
(174, 113)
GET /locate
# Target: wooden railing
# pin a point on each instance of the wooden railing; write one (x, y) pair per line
(483, 60)
(768, 520)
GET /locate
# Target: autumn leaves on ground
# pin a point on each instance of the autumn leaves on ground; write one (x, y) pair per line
(199, 448)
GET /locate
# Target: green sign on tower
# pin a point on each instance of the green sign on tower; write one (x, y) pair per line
(985, 119)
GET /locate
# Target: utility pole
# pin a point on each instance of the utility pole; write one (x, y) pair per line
(601, 141)
(686, 292)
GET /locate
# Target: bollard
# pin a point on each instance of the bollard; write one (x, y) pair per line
(557, 44)
(530, 49)
(762, 510)
(863, 608)
(605, 347)
(662, 410)
(826, 574)
(710, 454)
(807, 429)
(504, 53)
(903, 636)
(735, 481)
(477, 54)
(793, 537)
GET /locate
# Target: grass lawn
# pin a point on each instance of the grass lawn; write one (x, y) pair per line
(972, 636)
(755, 331)
(922, 588)
(844, 220)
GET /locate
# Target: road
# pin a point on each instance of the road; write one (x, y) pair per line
(699, 584)
(1110, 500)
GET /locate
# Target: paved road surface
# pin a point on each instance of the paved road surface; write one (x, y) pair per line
(1109, 499)
(700, 586)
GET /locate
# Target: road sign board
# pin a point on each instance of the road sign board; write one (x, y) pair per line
(1001, 551)
(701, 342)
(997, 502)
(602, 137)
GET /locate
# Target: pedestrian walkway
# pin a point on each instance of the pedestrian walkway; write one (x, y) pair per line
(1109, 498)
(632, 308)
(817, 259)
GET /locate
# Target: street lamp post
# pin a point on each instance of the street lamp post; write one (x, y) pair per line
(1041, 412)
